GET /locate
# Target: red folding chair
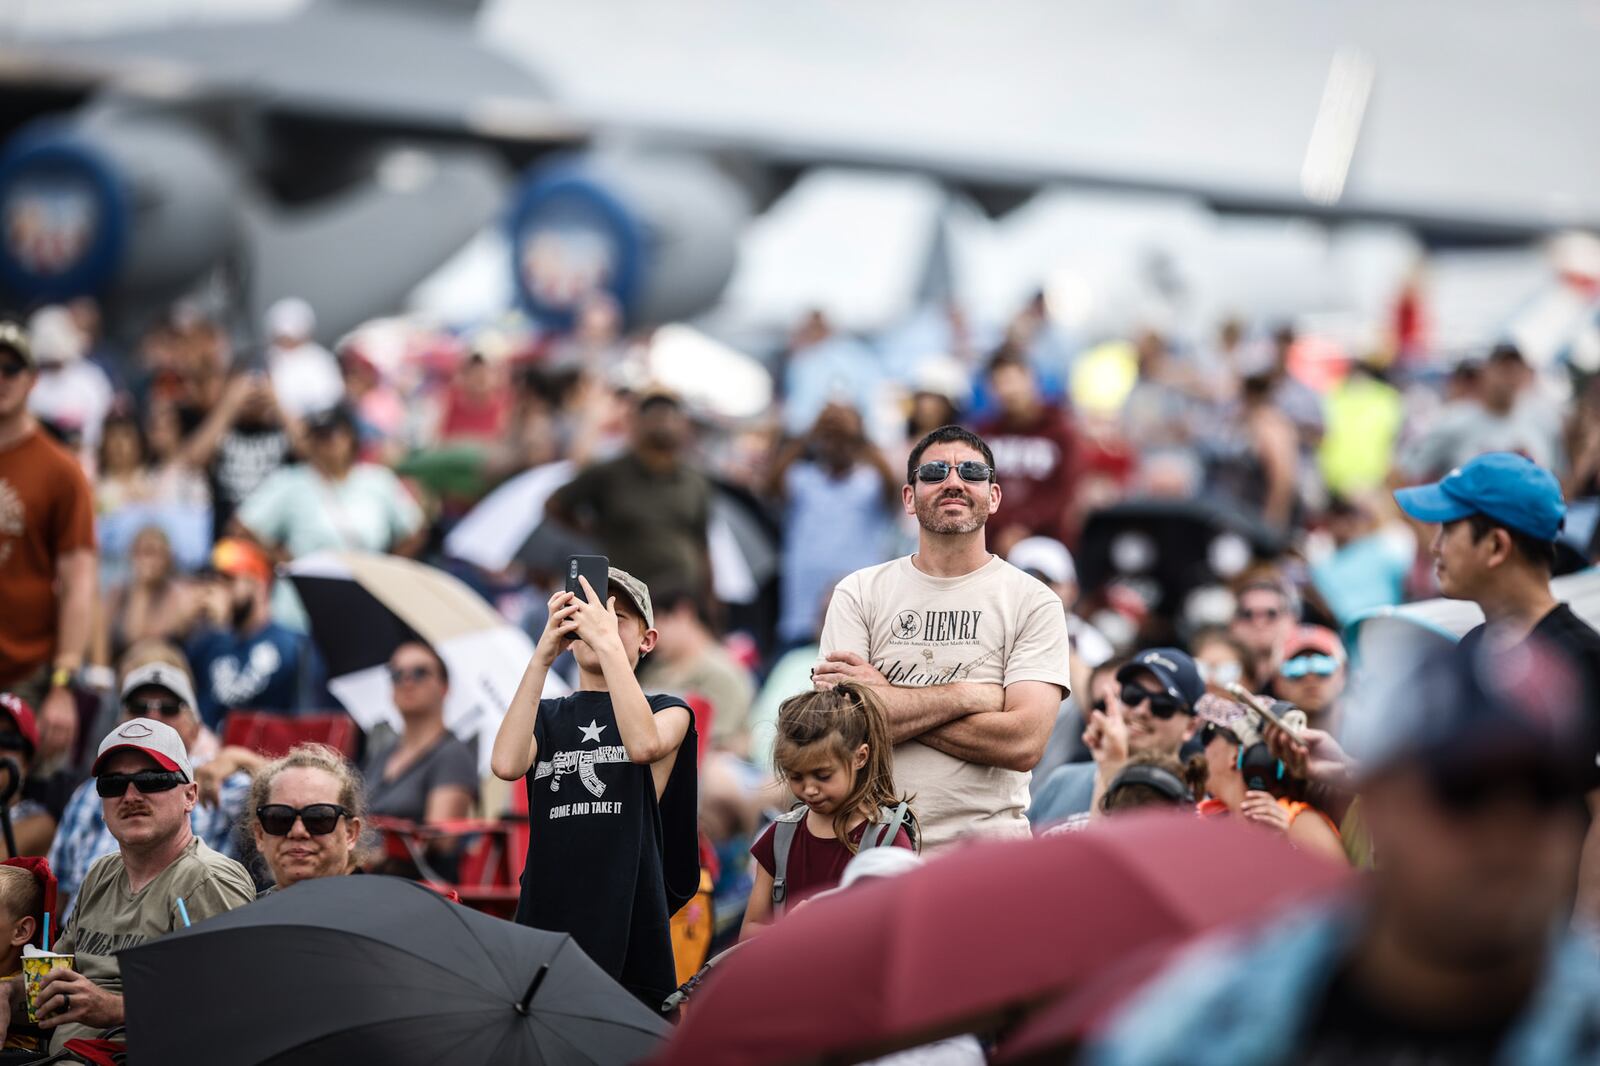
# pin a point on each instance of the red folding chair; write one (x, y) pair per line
(484, 880)
(272, 734)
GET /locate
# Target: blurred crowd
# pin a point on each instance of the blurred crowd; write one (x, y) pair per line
(209, 465)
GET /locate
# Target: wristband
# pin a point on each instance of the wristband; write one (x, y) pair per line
(61, 677)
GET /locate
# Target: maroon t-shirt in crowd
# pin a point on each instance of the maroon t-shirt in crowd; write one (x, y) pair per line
(1034, 463)
(815, 864)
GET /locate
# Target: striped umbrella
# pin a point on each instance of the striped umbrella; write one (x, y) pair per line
(362, 606)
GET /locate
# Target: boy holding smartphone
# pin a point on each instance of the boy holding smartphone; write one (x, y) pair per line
(612, 840)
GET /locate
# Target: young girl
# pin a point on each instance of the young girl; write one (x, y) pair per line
(833, 751)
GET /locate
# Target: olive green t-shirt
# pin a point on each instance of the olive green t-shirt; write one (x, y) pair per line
(109, 916)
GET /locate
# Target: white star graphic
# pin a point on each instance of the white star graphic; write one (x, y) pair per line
(591, 731)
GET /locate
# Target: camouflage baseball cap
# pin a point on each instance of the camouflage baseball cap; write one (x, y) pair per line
(636, 591)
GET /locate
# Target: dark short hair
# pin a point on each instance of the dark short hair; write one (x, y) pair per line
(1541, 553)
(1005, 357)
(417, 642)
(946, 435)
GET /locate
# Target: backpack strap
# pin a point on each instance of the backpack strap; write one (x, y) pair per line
(886, 828)
(782, 840)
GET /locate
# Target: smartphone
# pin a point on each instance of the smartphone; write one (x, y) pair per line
(1263, 708)
(594, 567)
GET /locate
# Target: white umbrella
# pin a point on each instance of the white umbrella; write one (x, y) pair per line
(362, 606)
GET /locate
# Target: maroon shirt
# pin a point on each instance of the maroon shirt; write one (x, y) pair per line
(1034, 465)
(815, 864)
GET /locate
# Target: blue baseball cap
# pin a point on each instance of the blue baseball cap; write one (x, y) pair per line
(1511, 489)
(1173, 669)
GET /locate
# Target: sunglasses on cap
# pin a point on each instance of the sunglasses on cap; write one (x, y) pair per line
(148, 708)
(1162, 705)
(111, 786)
(413, 674)
(277, 819)
(1211, 731)
(933, 472)
(1301, 665)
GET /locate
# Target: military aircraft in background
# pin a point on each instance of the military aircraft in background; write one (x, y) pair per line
(348, 147)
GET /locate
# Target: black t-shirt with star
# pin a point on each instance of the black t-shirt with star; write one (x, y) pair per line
(608, 862)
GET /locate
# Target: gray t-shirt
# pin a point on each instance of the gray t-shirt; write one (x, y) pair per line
(108, 916)
(449, 762)
(1067, 791)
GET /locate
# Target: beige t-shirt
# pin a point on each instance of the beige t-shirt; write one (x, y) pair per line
(108, 917)
(996, 625)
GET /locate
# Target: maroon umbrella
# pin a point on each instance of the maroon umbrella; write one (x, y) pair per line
(981, 933)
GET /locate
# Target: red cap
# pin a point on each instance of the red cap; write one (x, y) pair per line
(39, 867)
(1319, 639)
(22, 714)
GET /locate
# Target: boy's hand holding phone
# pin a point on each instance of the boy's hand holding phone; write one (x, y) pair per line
(560, 628)
(596, 622)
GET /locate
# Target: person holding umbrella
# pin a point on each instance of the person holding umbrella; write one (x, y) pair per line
(162, 878)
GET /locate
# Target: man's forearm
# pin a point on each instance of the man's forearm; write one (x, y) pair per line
(989, 738)
(76, 624)
(913, 712)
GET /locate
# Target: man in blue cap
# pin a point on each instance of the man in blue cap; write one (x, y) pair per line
(1499, 517)
(1455, 949)
(1153, 715)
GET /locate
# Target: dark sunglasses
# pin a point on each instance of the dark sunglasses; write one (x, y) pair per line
(416, 673)
(932, 473)
(11, 371)
(319, 819)
(1211, 731)
(1161, 705)
(1468, 794)
(111, 786)
(145, 708)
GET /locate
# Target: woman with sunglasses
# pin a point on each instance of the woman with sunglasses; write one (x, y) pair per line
(1243, 780)
(426, 775)
(305, 814)
(1312, 675)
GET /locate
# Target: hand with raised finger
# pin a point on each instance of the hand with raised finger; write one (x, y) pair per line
(596, 621)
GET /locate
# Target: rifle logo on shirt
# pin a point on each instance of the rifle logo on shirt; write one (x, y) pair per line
(582, 763)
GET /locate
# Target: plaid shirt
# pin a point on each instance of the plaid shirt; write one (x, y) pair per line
(82, 836)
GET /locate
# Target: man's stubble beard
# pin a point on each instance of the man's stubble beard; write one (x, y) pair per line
(929, 518)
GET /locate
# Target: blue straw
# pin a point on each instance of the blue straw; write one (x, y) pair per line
(183, 912)
(45, 940)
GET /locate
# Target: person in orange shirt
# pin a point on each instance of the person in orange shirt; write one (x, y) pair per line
(1244, 780)
(48, 561)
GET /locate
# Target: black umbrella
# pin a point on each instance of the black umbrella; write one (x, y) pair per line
(374, 969)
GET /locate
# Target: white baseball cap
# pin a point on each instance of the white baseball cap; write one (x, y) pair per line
(163, 676)
(156, 739)
(1044, 556)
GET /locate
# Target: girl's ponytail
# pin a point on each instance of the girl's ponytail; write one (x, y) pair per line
(846, 716)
